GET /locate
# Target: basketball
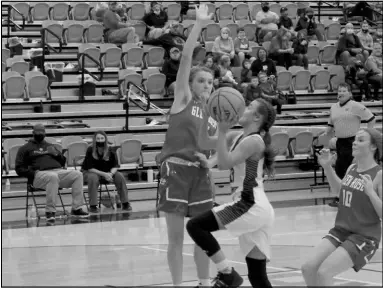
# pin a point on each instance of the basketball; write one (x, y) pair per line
(227, 100)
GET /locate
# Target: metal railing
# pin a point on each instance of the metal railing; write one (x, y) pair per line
(44, 45)
(84, 70)
(9, 20)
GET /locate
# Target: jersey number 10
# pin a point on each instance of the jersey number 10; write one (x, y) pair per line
(347, 196)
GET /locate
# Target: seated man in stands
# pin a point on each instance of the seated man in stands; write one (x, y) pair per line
(350, 48)
(42, 164)
(307, 25)
(365, 37)
(101, 163)
(170, 69)
(118, 32)
(267, 23)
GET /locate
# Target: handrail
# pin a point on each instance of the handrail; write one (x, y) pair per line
(127, 99)
(45, 44)
(372, 22)
(319, 7)
(10, 8)
(83, 70)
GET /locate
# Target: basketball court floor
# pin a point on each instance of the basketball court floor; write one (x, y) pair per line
(115, 251)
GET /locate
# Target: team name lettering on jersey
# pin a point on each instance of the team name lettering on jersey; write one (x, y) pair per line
(197, 112)
(213, 123)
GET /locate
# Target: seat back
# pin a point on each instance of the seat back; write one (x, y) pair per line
(65, 141)
(280, 141)
(12, 153)
(20, 67)
(174, 11)
(40, 11)
(134, 57)
(313, 54)
(303, 142)
(292, 10)
(156, 84)
(302, 80)
(339, 73)
(5, 54)
(284, 79)
(75, 149)
(155, 57)
(147, 72)
(74, 31)
(254, 9)
(212, 31)
(121, 137)
(241, 12)
(80, 11)
(140, 28)
(112, 55)
(224, 11)
(130, 151)
(14, 86)
(92, 51)
(37, 85)
(60, 11)
(328, 55)
(233, 29)
(8, 143)
(136, 11)
(54, 27)
(333, 31)
(23, 8)
(321, 80)
(250, 29)
(51, 140)
(94, 32)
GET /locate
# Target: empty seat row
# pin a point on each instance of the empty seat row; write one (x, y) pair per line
(33, 85)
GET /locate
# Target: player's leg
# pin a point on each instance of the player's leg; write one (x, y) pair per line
(175, 227)
(256, 266)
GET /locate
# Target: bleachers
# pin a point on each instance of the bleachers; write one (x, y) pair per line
(77, 28)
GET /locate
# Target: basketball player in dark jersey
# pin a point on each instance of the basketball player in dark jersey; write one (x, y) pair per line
(357, 232)
(250, 217)
(185, 188)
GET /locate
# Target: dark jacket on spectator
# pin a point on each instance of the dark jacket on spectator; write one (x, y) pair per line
(287, 23)
(298, 47)
(347, 42)
(34, 156)
(258, 66)
(155, 21)
(245, 75)
(100, 164)
(170, 69)
(304, 23)
(252, 93)
(168, 41)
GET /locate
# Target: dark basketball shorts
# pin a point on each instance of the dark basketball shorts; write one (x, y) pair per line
(360, 248)
(184, 190)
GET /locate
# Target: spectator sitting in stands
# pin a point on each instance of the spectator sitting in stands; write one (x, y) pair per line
(350, 47)
(267, 23)
(280, 50)
(365, 37)
(300, 46)
(212, 65)
(356, 74)
(307, 25)
(252, 91)
(156, 21)
(170, 69)
(42, 164)
(241, 46)
(101, 163)
(374, 68)
(286, 22)
(118, 32)
(263, 63)
(173, 38)
(270, 91)
(223, 44)
(245, 73)
(226, 78)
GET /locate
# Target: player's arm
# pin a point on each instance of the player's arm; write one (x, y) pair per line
(206, 142)
(376, 194)
(182, 93)
(247, 148)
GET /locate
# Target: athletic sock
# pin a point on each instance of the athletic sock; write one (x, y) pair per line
(224, 267)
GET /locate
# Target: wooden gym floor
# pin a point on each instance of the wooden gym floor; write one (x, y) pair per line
(120, 252)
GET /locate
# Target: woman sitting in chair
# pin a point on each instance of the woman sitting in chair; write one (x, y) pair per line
(100, 164)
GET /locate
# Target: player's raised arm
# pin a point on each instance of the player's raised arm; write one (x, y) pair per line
(182, 92)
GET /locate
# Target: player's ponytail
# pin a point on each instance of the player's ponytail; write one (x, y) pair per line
(376, 139)
(269, 115)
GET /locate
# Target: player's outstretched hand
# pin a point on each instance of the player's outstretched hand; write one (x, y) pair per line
(202, 13)
(325, 158)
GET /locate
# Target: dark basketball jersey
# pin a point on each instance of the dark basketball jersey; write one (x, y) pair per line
(181, 139)
(356, 212)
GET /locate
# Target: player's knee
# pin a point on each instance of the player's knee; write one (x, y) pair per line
(192, 227)
(308, 268)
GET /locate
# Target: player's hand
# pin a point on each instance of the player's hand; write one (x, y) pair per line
(368, 185)
(202, 13)
(325, 158)
(202, 159)
(226, 121)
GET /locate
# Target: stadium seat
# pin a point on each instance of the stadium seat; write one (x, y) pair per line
(8, 143)
(130, 154)
(37, 85)
(54, 27)
(19, 66)
(241, 12)
(313, 54)
(121, 137)
(80, 11)
(92, 51)
(73, 31)
(3, 67)
(13, 85)
(276, 8)
(280, 68)
(11, 156)
(66, 140)
(124, 77)
(254, 9)
(5, 54)
(333, 31)
(302, 144)
(155, 85)
(209, 46)
(75, 149)
(292, 10)
(211, 8)
(23, 8)
(322, 140)
(59, 11)
(280, 141)
(93, 32)
(51, 140)
(132, 56)
(242, 23)
(154, 57)
(173, 11)
(212, 31)
(320, 79)
(136, 11)
(302, 80)
(250, 30)
(233, 29)
(284, 79)
(328, 55)
(140, 28)
(337, 75)
(224, 11)
(266, 45)
(110, 55)
(40, 11)
(294, 69)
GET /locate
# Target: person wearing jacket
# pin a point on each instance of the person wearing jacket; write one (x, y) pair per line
(300, 46)
(307, 25)
(156, 21)
(263, 63)
(170, 69)
(42, 164)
